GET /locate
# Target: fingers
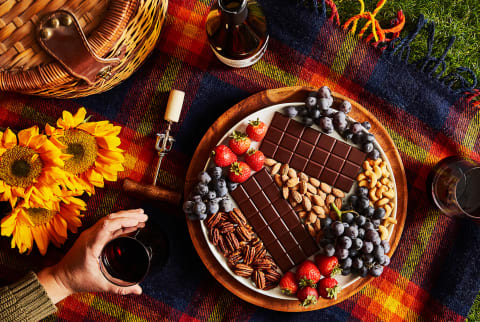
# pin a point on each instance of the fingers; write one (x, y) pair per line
(125, 213)
(135, 289)
(128, 230)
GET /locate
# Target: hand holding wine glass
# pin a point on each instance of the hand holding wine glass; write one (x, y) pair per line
(79, 270)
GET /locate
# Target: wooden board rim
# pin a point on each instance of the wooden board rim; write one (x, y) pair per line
(231, 117)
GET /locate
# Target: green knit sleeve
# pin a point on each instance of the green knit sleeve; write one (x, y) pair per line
(25, 300)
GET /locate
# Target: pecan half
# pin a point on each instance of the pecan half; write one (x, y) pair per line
(244, 233)
(243, 270)
(262, 263)
(226, 227)
(259, 279)
(269, 285)
(215, 236)
(214, 220)
(272, 275)
(249, 255)
(238, 217)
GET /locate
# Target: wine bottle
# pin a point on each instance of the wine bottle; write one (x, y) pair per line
(237, 32)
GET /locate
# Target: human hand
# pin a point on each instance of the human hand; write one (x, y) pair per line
(79, 270)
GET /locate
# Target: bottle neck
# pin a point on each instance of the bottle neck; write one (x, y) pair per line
(234, 12)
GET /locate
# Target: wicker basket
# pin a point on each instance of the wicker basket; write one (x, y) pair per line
(126, 29)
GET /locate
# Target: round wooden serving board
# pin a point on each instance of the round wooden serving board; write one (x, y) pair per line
(227, 121)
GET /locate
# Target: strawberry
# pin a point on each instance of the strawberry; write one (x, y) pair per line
(239, 172)
(239, 142)
(256, 130)
(288, 284)
(307, 295)
(327, 265)
(328, 288)
(308, 274)
(223, 156)
(255, 159)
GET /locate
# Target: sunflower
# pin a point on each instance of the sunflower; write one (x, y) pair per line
(30, 222)
(29, 165)
(93, 147)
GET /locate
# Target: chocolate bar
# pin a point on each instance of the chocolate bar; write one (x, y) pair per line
(274, 220)
(318, 155)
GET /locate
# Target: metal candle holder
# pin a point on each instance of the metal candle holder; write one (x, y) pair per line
(163, 146)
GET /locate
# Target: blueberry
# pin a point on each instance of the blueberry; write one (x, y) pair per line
(367, 125)
(204, 177)
(325, 124)
(197, 198)
(357, 244)
(221, 191)
(386, 261)
(199, 208)
(344, 242)
(329, 250)
(353, 201)
(339, 116)
(367, 247)
(211, 195)
(220, 183)
(351, 232)
(188, 206)
(345, 225)
(202, 216)
(374, 155)
(363, 203)
(347, 134)
(379, 213)
(231, 185)
(356, 128)
(337, 228)
(368, 212)
(212, 207)
(315, 113)
(376, 222)
(216, 172)
(363, 272)
(326, 222)
(324, 92)
(378, 251)
(311, 102)
(302, 111)
(368, 137)
(201, 189)
(367, 147)
(376, 270)
(345, 107)
(361, 232)
(329, 112)
(307, 121)
(386, 246)
(346, 271)
(348, 217)
(357, 138)
(367, 259)
(353, 252)
(380, 259)
(360, 220)
(291, 111)
(340, 126)
(368, 225)
(370, 234)
(341, 253)
(376, 241)
(323, 104)
(226, 205)
(357, 263)
(362, 191)
(346, 263)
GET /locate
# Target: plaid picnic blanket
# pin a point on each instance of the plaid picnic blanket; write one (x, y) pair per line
(435, 272)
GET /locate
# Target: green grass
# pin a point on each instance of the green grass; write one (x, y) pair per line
(452, 17)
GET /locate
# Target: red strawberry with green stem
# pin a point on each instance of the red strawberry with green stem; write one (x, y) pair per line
(327, 265)
(239, 142)
(307, 295)
(328, 288)
(255, 159)
(288, 284)
(308, 274)
(256, 130)
(223, 156)
(239, 172)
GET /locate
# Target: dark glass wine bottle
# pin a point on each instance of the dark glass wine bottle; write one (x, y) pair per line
(237, 32)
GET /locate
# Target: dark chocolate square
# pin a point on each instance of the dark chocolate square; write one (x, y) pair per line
(278, 227)
(350, 169)
(239, 195)
(309, 246)
(251, 186)
(268, 148)
(344, 183)
(280, 121)
(299, 233)
(274, 135)
(248, 208)
(334, 163)
(291, 219)
(283, 155)
(287, 241)
(260, 200)
(257, 221)
(326, 142)
(304, 149)
(356, 156)
(295, 128)
(272, 192)
(263, 178)
(328, 176)
(313, 169)
(265, 234)
(310, 135)
(297, 255)
(298, 162)
(282, 206)
(341, 149)
(275, 248)
(289, 142)
(285, 263)
(320, 156)
(270, 214)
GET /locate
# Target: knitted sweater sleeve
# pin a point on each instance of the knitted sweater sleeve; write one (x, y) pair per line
(25, 300)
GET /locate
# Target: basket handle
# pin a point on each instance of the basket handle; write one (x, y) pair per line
(100, 42)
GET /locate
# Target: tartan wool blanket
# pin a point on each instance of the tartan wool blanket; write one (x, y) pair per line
(435, 271)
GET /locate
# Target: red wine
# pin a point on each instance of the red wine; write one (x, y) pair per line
(126, 259)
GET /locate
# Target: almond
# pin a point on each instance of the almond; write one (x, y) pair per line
(317, 225)
(330, 199)
(315, 182)
(318, 210)
(338, 193)
(285, 192)
(303, 177)
(284, 169)
(338, 203)
(311, 230)
(325, 187)
(303, 187)
(278, 180)
(307, 204)
(270, 162)
(317, 200)
(292, 173)
(297, 196)
(292, 182)
(311, 188)
(275, 169)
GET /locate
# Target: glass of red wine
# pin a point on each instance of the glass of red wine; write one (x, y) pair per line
(126, 260)
(454, 184)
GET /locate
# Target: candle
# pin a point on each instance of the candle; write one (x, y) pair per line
(174, 105)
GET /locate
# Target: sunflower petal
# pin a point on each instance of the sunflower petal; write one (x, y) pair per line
(79, 117)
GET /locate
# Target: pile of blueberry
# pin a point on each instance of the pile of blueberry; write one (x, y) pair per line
(209, 195)
(355, 239)
(318, 109)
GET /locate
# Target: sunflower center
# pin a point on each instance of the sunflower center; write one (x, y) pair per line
(83, 147)
(39, 216)
(17, 168)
